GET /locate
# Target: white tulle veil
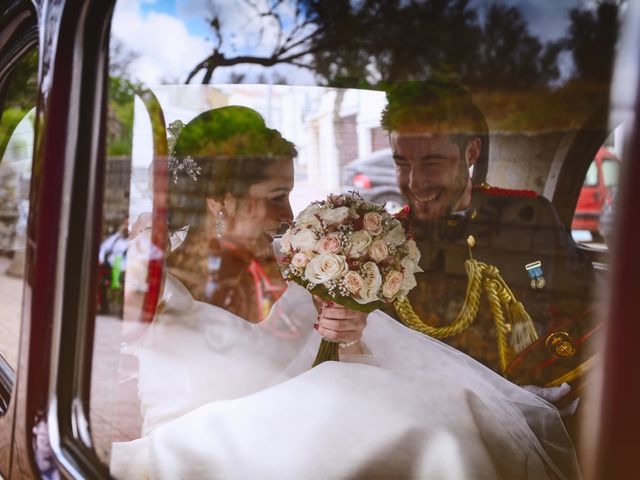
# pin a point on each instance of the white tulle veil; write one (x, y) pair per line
(223, 398)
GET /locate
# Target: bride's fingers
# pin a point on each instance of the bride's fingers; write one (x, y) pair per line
(342, 324)
(340, 336)
(338, 312)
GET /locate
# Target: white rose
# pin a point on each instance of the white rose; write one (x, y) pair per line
(392, 284)
(372, 222)
(329, 244)
(334, 215)
(396, 235)
(408, 283)
(308, 216)
(285, 242)
(304, 240)
(358, 243)
(409, 265)
(325, 267)
(299, 260)
(354, 282)
(378, 250)
(409, 280)
(414, 252)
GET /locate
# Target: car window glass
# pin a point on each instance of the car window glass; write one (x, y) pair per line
(226, 122)
(611, 172)
(16, 151)
(591, 178)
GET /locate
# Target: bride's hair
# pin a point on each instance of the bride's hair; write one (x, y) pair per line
(233, 148)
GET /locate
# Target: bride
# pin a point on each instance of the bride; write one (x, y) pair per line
(223, 397)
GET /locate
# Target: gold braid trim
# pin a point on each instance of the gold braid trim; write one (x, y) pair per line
(500, 297)
(467, 313)
(492, 287)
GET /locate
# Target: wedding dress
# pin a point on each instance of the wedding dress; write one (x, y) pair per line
(224, 398)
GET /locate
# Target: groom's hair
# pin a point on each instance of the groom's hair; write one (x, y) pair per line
(439, 108)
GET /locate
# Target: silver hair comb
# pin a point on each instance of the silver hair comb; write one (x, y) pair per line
(175, 165)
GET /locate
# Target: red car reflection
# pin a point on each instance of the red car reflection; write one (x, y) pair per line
(601, 178)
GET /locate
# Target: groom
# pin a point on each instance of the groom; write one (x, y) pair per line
(437, 134)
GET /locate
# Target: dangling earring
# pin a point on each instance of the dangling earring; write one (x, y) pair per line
(220, 223)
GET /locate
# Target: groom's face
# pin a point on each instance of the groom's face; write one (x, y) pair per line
(432, 172)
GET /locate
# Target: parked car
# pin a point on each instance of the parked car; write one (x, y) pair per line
(374, 177)
(599, 181)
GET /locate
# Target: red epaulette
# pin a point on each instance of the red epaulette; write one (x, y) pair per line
(505, 192)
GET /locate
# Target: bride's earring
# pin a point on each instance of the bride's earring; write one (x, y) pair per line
(220, 223)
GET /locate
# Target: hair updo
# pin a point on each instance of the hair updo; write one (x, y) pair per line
(233, 148)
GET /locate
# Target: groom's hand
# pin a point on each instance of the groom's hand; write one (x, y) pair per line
(556, 396)
(339, 323)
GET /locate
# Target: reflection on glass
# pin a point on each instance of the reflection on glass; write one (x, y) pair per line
(229, 329)
(16, 152)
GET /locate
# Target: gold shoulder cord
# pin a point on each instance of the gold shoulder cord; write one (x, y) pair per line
(509, 314)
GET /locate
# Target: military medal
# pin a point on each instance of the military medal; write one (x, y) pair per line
(534, 270)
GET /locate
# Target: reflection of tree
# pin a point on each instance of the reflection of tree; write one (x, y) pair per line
(372, 41)
(19, 98)
(289, 25)
(592, 40)
(120, 99)
(347, 42)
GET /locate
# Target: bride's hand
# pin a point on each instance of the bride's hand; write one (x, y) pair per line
(339, 323)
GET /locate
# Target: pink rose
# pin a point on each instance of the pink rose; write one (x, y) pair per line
(372, 223)
(299, 260)
(354, 282)
(392, 284)
(329, 244)
(378, 250)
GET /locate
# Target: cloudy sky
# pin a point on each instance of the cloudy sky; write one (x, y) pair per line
(171, 36)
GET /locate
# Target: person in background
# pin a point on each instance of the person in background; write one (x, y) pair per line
(112, 258)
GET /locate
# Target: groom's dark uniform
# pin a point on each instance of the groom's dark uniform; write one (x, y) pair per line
(512, 229)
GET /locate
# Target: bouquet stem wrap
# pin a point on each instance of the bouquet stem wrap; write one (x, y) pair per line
(327, 352)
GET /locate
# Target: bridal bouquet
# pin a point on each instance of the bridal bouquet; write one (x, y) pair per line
(351, 252)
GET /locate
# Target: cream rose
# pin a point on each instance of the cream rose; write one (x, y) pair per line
(304, 240)
(396, 235)
(392, 284)
(334, 215)
(299, 260)
(367, 295)
(308, 216)
(371, 276)
(325, 267)
(372, 283)
(378, 250)
(372, 223)
(354, 282)
(358, 243)
(329, 244)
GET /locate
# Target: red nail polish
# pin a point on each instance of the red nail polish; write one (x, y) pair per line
(316, 326)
